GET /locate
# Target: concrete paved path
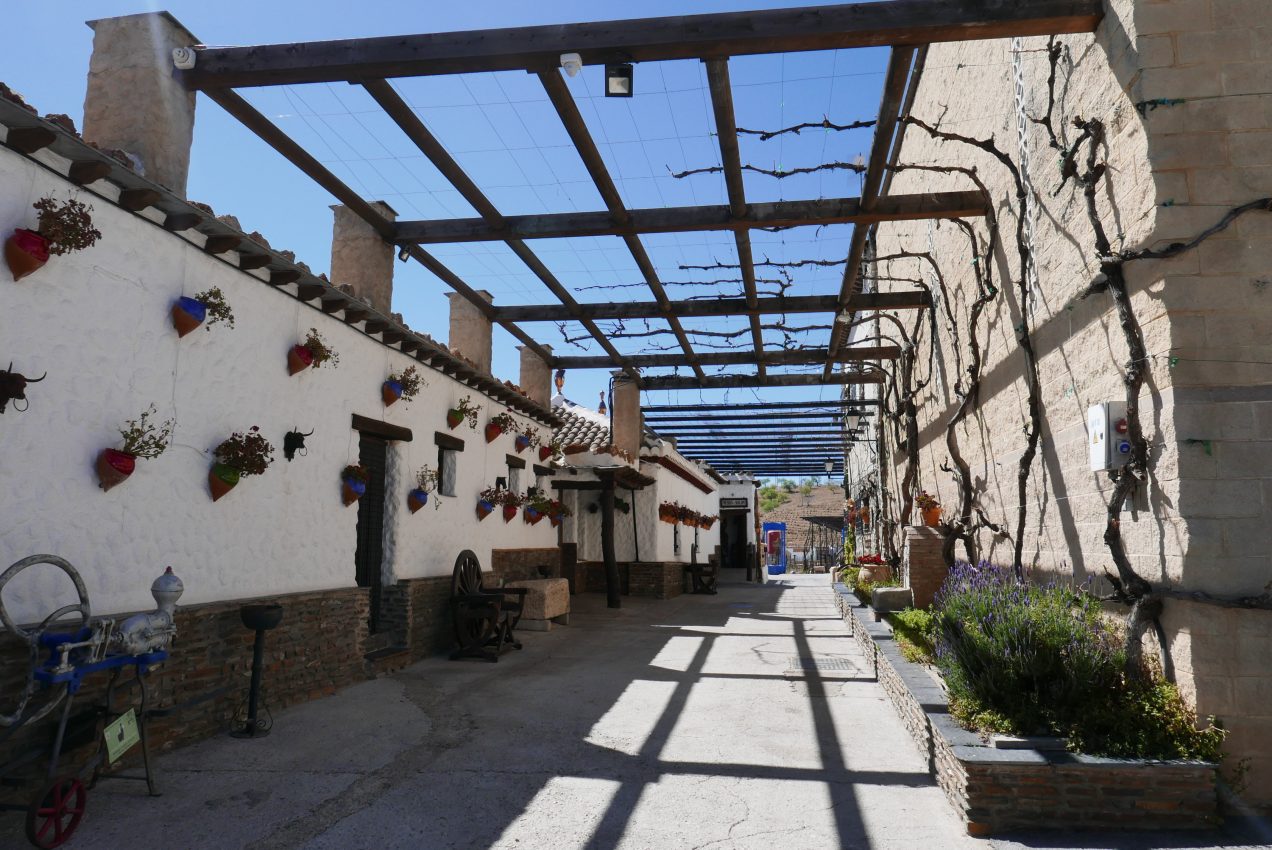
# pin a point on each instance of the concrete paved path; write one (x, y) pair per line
(692, 723)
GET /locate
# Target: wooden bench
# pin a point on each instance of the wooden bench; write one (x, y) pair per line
(484, 617)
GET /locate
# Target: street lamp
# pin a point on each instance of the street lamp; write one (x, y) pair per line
(830, 467)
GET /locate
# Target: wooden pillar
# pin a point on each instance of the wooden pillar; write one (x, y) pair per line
(612, 598)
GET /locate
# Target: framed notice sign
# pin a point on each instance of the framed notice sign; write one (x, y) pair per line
(725, 504)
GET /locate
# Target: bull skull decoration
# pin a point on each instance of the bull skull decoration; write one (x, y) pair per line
(13, 387)
(293, 442)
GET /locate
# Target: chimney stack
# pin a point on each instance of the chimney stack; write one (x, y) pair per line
(134, 101)
(627, 420)
(536, 376)
(361, 258)
(470, 330)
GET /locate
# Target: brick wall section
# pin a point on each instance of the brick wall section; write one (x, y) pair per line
(1000, 790)
(660, 580)
(923, 568)
(417, 611)
(315, 651)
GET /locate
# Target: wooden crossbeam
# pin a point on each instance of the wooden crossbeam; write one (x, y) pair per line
(641, 40)
(568, 111)
(733, 358)
(914, 300)
(758, 405)
(655, 420)
(239, 108)
(965, 204)
(724, 382)
(417, 132)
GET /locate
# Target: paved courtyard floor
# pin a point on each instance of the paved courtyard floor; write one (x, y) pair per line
(678, 725)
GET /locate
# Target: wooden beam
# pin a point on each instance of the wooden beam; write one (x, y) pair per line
(30, 139)
(733, 358)
(136, 200)
(387, 430)
(654, 420)
(568, 111)
(966, 204)
(88, 171)
(758, 405)
(220, 243)
(894, 84)
(642, 40)
(176, 222)
(247, 262)
(316, 171)
(417, 132)
(723, 382)
(283, 276)
(913, 300)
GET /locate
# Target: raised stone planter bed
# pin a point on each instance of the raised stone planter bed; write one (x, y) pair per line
(996, 790)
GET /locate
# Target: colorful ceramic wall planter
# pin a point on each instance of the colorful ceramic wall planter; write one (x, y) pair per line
(390, 391)
(299, 358)
(188, 314)
(509, 511)
(416, 499)
(453, 418)
(26, 251)
(492, 432)
(222, 479)
(484, 509)
(522, 443)
(533, 515)
(114, 467)
(353, 484)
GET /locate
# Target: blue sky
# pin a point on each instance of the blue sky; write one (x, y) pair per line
(502, 130)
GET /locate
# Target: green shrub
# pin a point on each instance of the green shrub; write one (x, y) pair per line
(1038, 659)
(912, 630)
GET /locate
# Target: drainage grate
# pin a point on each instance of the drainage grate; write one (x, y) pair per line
(823, 663)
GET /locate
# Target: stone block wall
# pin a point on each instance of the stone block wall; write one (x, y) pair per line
(315, 651)
(922, 565)
(417, 613)
(1181, 87)
(659, 580)
(519, 564)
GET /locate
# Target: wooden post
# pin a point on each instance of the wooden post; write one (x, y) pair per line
(612, 598)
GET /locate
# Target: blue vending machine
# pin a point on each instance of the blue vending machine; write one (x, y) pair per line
(775, 547)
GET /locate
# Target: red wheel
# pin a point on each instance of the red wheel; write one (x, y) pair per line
(56, 812)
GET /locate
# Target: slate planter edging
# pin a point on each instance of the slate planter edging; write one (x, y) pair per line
(997, 790)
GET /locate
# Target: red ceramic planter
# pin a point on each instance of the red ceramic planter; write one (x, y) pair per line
(25, 251)
(299, 359)
(492, 433)
(453, 418)
(114, 467)
(221, 479)
(509, 512)
(483, 510)
(545, 452)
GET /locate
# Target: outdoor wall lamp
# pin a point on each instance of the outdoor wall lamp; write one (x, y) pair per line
(618, 79)
(571, 63)
(830, 466)
(404, 253)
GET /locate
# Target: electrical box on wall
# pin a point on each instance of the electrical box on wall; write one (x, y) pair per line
(1107, 438)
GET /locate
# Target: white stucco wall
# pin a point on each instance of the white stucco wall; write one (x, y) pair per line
(740, 490)
(673, 488)
(97, 321)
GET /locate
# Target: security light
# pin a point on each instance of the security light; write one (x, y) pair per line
(404, 253)
(618, 79)
(184, 58)
(571, 63)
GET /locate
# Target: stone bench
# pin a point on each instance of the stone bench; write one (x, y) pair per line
(547, 603)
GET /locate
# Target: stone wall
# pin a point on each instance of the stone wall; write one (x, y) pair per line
(658, 579)
(316, 650)
(1000, 790)
(518, 564)
(417, 613)
(1181, 88)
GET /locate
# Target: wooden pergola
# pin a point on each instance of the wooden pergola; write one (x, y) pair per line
(906, 26)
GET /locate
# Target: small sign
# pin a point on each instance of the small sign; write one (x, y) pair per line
(121, 735)
(735, 503)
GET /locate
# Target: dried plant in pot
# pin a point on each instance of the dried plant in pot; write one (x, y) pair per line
(537, 507)
(425, 483)
(498, 425)
(552, 448)
(511, 502)
(242, 453)
(557, 512)
(63, 228)
(210, 305)
(314, 351)
(405, 384)
(463, 409)
(353, 483)
(142, 438)
(527, 438)
(486, 502)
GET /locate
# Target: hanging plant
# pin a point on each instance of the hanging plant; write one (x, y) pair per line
(527, 438)
(62, 229)
(405, 384)
(425, 483)
(670, 512)
(511, 503)
(353, 483)
(464, 409)
(537, 507)
(189, 313)
(486, 502)
(314, 351)
(552, 448)
(243, 453)
(498, 425)
(142, 438)
(557, 512)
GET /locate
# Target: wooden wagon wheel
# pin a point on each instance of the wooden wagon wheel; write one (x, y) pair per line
(475, 623)
(56, 812)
